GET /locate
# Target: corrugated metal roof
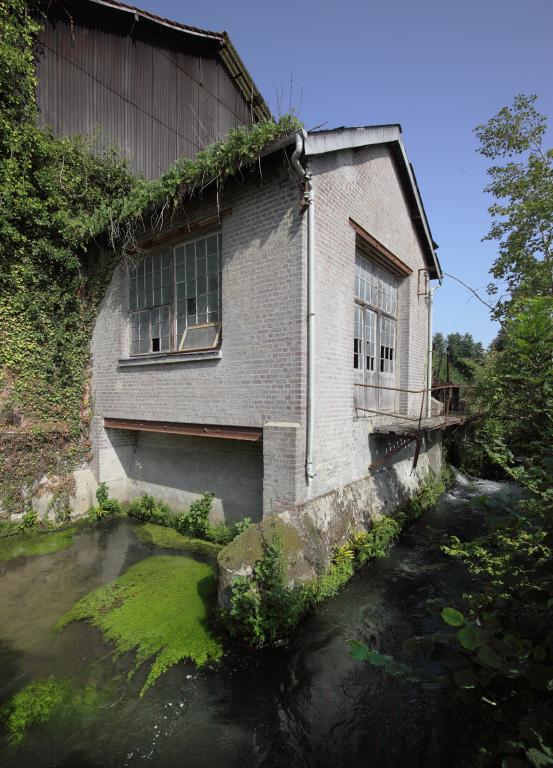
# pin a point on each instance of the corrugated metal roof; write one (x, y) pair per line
(227, 52)
(160, 19)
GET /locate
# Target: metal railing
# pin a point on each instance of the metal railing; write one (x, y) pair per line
(449, 395)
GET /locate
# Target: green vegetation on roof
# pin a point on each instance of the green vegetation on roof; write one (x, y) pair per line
(57, 195)
(185, 178)
(159, 609)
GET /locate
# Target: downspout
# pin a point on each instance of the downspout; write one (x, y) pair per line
(308, 198)
(429, 300)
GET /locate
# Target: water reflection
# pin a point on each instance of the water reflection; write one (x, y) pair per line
(306, 706)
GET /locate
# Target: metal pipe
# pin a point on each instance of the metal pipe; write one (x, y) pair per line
(429, 299)
(305, 177)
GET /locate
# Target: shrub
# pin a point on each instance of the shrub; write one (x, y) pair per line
(150, 510)
(221, 534)
(29, 520)
(106, 507)
(377, 541)
(264, 609)
(430, 491)
(241, 526)
(111, 507)
(102, 493)
(195, 522)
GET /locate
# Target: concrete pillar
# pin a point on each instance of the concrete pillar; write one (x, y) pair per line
(284, 484)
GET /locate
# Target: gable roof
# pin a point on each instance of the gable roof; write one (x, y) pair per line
(224, 48)
(338, 139)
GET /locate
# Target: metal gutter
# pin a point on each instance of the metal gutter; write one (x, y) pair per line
(309, 200)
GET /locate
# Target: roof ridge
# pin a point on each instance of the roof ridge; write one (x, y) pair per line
(160, 19)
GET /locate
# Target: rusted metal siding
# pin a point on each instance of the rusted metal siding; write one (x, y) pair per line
(155, 95)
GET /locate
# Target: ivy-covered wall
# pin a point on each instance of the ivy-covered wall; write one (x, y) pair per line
(50, 284)
(61, 202)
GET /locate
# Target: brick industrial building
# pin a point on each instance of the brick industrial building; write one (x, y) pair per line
(260, 346)
(204, 384)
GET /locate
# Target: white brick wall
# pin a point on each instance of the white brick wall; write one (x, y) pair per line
(364, 185)
(261, 375)
(260, 379)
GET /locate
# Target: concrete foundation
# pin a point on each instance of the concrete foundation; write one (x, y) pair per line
(324, 523)
(178, 469)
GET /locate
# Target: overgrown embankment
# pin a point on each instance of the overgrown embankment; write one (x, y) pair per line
(49, 285)
(264, 606)
(61, 200)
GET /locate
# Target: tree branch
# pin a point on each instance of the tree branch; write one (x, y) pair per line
(491, 307)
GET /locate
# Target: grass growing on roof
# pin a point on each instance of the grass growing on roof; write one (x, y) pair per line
(171, 539)
(159, 609)
(31, 544)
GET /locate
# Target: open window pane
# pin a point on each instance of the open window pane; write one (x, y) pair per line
(198, 281)
(199, 337)
(174, 289)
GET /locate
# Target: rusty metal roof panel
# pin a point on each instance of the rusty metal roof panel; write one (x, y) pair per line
(152, 88)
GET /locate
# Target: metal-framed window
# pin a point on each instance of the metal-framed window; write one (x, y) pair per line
(375, 332)
(172, 291)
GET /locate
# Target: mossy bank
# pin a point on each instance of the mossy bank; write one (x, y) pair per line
(267, 580)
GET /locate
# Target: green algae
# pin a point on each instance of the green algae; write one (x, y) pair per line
(31, 544)
(34, 704)
(43, 701)
(159, 609)
(171, 539)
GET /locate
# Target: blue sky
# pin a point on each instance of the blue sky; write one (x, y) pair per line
(439, 68)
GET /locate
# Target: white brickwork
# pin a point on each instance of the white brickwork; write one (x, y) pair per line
(260, 378)
(362, 184)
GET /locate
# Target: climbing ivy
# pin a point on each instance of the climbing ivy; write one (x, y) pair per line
(58, 199)
(50, 283)
(156, 201)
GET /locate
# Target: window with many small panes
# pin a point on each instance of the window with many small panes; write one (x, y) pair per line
(376, 296)
(173, 291)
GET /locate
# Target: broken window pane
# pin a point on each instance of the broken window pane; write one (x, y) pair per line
(181, 284)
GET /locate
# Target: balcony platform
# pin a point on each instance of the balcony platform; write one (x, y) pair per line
(395, 426)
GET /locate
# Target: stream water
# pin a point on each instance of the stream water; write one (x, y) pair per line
(309, 705)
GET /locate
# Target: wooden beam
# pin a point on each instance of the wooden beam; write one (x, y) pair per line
(187, 229)
(379, 252)
(249, 434)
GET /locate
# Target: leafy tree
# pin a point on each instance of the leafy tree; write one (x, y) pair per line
(498, 652)
(461, 352)
(522, 213)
